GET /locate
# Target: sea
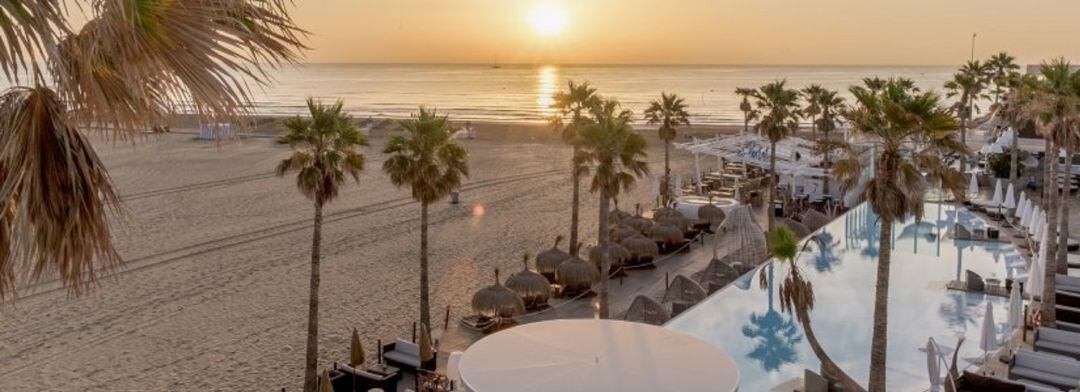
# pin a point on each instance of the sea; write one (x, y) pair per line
(523, 93)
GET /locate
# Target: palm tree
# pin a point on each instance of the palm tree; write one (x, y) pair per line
(812, 95)
(1055, 110)
(910, 132)
(780, 108)
(615, 155)
(749, 113)
(1003, 71)
(831, 105)
(428, 161)
(128, 68)
(968, 83)
(324, 152)
(670, 113)
(1014, 111)
(573, 104)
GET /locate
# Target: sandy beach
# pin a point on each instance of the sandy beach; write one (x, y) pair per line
(213, 295)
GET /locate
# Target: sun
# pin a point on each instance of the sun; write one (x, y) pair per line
(547, 18)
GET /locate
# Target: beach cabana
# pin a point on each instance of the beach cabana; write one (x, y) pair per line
(576, 276)
(682, 293)
(533, 288)
(497, 301)
(548, 261)
(746, 239)
(595, 355)
(800, 230)
(646, 310)
(718, 274)
(814, 220)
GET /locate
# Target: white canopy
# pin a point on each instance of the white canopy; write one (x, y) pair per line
(1010, 198)
(595, 355)
(794, 156)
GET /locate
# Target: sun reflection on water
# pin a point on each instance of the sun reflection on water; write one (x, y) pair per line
(546, 85)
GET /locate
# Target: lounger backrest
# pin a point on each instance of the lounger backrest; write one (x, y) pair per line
(1057, 335)
(407, 347)
(1046, 364)
(1067, 280)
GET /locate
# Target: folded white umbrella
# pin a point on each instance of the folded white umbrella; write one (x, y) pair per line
(1019, 213)
(933, 367)
(1010, 197)
(997, 200)
(1036, 226)
(988, 339)
(1016, 309)
(973, 187)
(1034, 284)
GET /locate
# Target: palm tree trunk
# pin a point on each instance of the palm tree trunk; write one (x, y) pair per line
(311, 368)
(666, 191)
(963, 141)
(605, 263)
(879, 344)
(813, 127)
(425, 306)
(574, 205)
(1015, 167)
(746, 122)
(825, 135)
(1049, 318)
(772, 184)
(1046, 171)
(1063, 207)
(828, 366)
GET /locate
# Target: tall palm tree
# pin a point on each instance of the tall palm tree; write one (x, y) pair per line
(749, 113)
(670, 113)
(129, 67)
(969, 84)
(1002, 71)
(615, 155)
(324, 153)
(812, 95)
(780, 108)
(429, 162)
(910, 132)
(573, 106)
(1015, 113)
(831, 105)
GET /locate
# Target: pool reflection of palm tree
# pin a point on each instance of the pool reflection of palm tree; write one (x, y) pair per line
(775, 334)
(955, 311)
(826, 257)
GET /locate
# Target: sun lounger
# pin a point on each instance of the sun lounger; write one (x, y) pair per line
(1058, 342)
(404, 354)
(1073, 260)
(971, 382)
(1067, 298)
(1044, 370)
(1067, 283)
(359, 379)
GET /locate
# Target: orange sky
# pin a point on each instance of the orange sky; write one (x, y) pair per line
(691, 31)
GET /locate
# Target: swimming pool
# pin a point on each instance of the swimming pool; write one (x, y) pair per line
(768, 345)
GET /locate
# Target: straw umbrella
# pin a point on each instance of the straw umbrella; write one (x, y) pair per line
(710, 214)
(548, 261)
(617, 255)
(639, 223)
(642, 250)
(618, 215)
(666, 212)
(680, 223)
(324, 382)
(718, 274)
(799, 229)
(356, 350)
(666, 234)
(576, 275)
(497, 301)
(427, 349)
(623, 231)
(814, 220)
(684, 290)
(646, 310)
(533, 288)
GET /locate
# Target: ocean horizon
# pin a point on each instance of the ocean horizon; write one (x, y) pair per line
(522, 93)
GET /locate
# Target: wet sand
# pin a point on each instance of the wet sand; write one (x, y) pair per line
(213, 295)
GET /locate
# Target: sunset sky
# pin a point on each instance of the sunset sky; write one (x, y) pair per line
(687, 31)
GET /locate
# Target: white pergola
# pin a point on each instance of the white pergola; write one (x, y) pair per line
(794, 156)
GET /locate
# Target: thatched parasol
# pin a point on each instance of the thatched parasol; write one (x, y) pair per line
(666, 212)
(356, 350)
(548, 261)
(800, 230)
(617, 255)
(647, 310)
(684, 290)
(427, 349)
(641, 247)
(814, 220)
(666, 234)
(533, 288)
(718, 274)
(639, 223)
(324, 382)
(497, 301)
(576, 275)
(618, 215)
(623, 231)
(710, 214)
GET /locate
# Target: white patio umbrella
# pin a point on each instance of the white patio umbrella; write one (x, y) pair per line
(1016, 309)
(973, 187)
(988, 339)
(998, 199)
(933, 367)
(1010, 198)
(1025, 217)
(1019, 213)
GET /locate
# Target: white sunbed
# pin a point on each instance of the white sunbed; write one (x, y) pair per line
(1045, 370)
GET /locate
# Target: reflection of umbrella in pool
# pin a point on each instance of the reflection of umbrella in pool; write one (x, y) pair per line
(775, 335)
(988, 340)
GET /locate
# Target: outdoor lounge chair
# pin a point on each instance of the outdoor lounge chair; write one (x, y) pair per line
(1067, 283)
(1044, 370)
(405, 355)
(1058, 342)
(355, 379)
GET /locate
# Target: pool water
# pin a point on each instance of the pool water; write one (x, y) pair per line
(746, 321)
